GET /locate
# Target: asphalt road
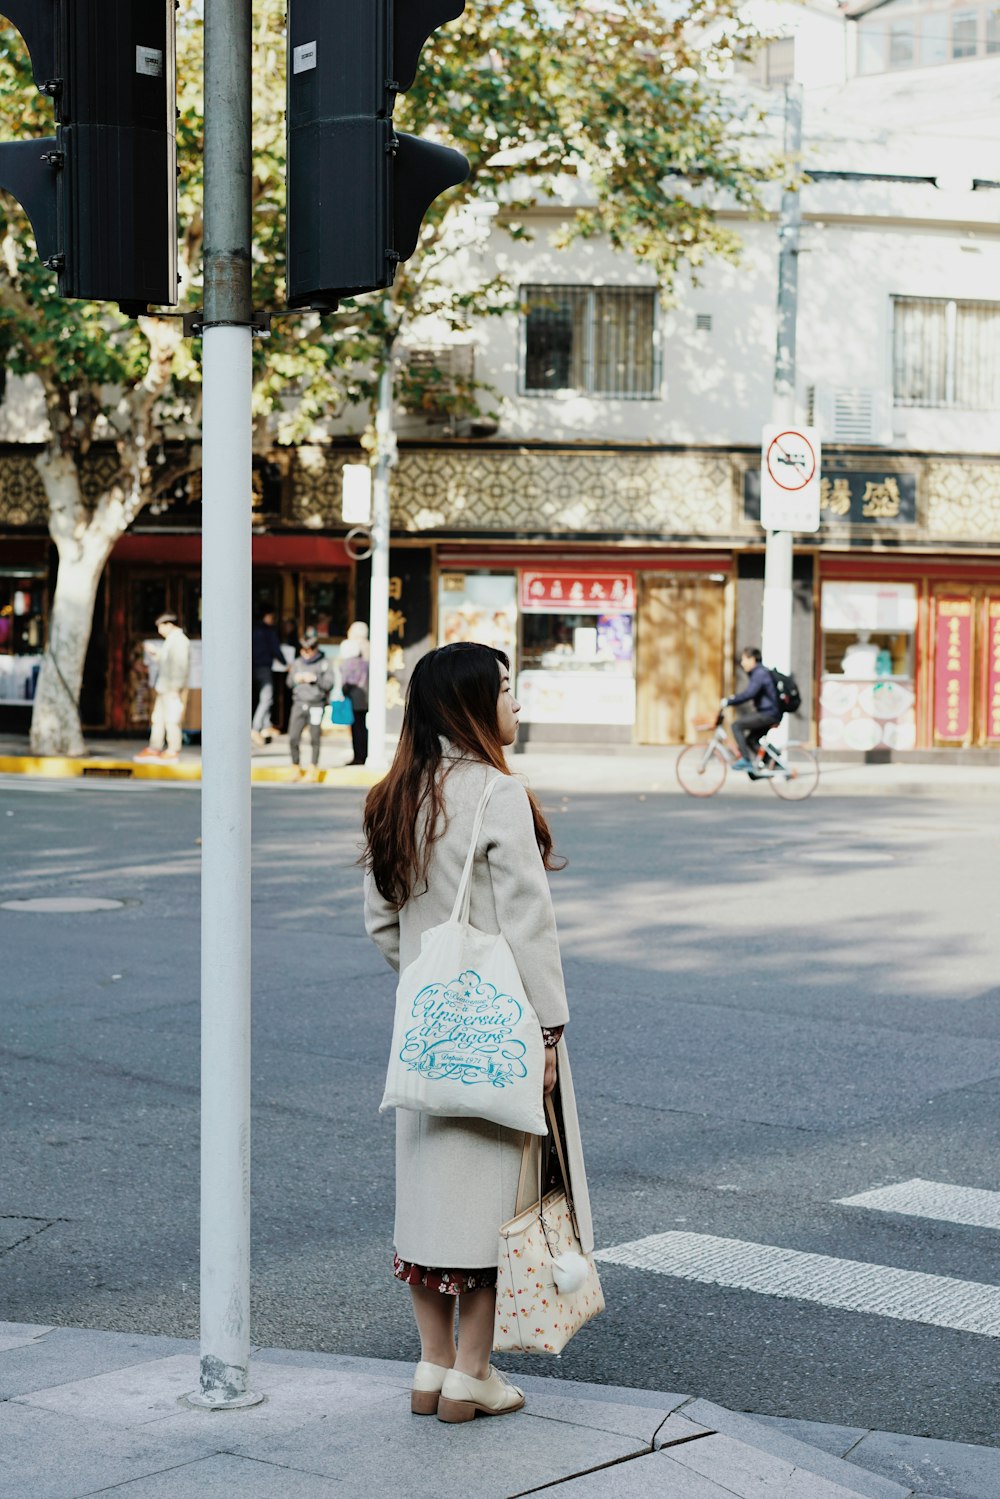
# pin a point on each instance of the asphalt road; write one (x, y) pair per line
(774, 1008)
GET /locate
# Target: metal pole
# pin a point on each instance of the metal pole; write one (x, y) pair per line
(378, 629)
(225, 796)
(776, 635)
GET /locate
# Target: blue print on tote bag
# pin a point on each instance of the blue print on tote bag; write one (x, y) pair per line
(464, 1032)
(449, 1034)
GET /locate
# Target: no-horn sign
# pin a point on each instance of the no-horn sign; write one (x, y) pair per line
(789, 479)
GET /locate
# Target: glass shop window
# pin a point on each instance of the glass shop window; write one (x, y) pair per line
(575, 642)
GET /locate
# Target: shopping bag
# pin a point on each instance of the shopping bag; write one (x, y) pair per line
(341, 711)
(466, 1042)
(547, 1288)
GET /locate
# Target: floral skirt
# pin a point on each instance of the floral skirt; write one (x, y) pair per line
(448, 1282)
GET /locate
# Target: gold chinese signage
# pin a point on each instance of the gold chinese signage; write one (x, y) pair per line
(852, 499)
(953, 669)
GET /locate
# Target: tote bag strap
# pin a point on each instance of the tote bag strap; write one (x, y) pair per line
(553, 1123)
(463, 896)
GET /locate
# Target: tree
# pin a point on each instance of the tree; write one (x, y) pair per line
(109, 380)
(530, 90)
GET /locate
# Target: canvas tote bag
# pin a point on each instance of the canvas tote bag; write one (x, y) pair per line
(547, 1288)
(466, 1042)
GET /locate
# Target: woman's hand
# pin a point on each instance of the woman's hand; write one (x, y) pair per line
(549, 1080)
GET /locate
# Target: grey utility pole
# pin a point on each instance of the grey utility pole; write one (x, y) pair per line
(385, 458)
(225, 792)
(776, 635)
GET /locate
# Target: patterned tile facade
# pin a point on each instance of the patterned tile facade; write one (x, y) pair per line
(560, 492)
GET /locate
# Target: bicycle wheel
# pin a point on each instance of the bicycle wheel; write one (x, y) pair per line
(701, 769)
(797, 776)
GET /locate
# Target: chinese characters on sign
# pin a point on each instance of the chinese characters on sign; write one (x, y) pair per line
(993, 668)
(854, 499)
(578, 593)
(953, 668)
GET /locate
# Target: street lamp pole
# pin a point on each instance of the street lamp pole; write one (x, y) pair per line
(225, 794)
(776, 635)
(378, 629)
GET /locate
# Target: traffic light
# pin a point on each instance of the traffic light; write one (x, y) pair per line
(357, 190)
(101, 193)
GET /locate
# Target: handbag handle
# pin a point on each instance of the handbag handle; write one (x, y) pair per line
(463, 896)
(531, 1142)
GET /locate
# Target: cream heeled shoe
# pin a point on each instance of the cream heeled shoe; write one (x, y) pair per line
(427, 1382)
(463, 1397)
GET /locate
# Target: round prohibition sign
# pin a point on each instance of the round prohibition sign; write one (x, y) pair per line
(791, 461)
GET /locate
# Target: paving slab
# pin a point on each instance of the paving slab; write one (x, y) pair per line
(638, 1421)
(822, 1434)
(226, 1477)
(677, 1428)
(750, 1473)
(481, 1459)
(646, 1477)
(47, 1455)
(14, 1335)
(947, 1470)
(759, 1436)
(62, 1354)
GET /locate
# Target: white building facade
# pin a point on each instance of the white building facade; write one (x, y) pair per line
(604, 528)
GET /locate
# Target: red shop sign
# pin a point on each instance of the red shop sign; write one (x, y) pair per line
(578, 593)
(993, 668)
(953, 668)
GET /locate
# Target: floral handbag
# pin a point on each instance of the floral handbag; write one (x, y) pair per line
(547, 1288)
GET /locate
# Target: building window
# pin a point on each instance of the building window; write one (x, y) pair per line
(908, 35)
(772, 65)
(946, 353)
(596, 340)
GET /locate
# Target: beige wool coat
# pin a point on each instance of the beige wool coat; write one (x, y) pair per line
(456, 1179)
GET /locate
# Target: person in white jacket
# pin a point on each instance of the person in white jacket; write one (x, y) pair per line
(456, 1179)
(173, 663)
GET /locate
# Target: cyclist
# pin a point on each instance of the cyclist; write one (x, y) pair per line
(761, 691)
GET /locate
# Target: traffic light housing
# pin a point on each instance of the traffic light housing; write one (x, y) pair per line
(101, 194)
(357, 190)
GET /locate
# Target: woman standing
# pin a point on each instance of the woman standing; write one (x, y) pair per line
(456, 1179)
(353, 667)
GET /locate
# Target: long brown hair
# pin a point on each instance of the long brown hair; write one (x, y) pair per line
(453, 695)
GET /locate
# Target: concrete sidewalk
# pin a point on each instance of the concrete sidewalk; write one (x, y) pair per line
(85, 1413)
(631, 770)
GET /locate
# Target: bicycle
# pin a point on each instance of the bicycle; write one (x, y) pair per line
(792, 772)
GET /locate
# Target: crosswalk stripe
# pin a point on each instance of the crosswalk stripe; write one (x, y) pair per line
(973, 1206)
(852, 1285)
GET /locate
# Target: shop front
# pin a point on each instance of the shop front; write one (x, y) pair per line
(303, 579)
(606, 647)
(24, 571)
(909, 659)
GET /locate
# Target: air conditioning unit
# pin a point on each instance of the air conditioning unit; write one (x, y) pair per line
(850, 414)
(443, 369)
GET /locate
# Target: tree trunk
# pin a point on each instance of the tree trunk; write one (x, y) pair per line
(84, 542)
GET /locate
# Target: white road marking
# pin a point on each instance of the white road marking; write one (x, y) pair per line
(882, 1290)
(940, 1200)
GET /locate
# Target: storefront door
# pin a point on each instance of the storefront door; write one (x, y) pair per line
(965, 664)
(681, 652)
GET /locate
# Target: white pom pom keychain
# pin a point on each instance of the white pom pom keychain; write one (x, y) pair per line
(569, 1271)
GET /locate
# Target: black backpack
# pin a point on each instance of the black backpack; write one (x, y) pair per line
(785, 685)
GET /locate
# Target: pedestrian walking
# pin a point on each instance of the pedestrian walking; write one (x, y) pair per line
(311, 678)
(457, 1178)
(266, 659)
(353, 669)
(173, 664)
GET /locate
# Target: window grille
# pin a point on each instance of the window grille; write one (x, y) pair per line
(443, 370)
(946, 353)
(599, 340)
